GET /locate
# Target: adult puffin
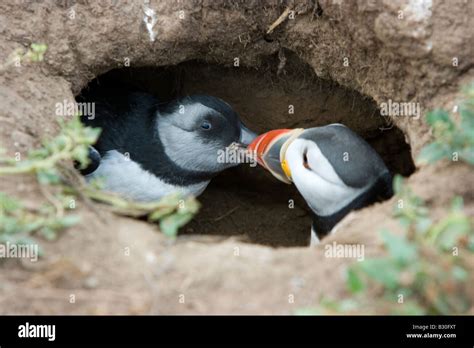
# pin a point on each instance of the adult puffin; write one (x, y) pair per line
(333, 168)
(149, 149)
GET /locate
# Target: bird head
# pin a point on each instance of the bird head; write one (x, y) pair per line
(329, 165)
(196, 129)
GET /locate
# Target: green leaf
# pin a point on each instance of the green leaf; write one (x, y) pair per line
(49, 176)
(457, 204)
(81, 155)
(466, 111)
(460, 273)
(191, 205)
(438, 115)
(160, 213)
(69, 220)
(399, 248)
(170, 224)
(449, 231)
(422, 224)
(382, 270)
(8, 204)
(354, 282)
(470, 243)
(467, 155)
(48, 233)
(433, 152)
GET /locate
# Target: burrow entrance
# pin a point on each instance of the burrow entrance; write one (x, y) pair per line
(248, 202)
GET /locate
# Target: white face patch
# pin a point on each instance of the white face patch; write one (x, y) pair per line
(183, 145)
(321, 187)
(123, 176)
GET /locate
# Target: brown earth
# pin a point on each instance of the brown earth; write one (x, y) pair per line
(117, 265)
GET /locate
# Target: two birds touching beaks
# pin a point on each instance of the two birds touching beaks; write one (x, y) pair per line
(149, 149)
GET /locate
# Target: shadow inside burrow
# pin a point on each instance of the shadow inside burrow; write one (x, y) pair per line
(246, 201)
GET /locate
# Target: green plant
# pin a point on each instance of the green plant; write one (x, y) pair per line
(172, 212)
(452, 140)
(49, 164)
(71, 143)
(425, 271)
(17, 222)
(34, 54)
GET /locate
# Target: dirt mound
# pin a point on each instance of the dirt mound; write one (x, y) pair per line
(334, 61)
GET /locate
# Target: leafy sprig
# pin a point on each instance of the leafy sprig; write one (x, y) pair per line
(451, 140)
(427, 265)
(48, 163)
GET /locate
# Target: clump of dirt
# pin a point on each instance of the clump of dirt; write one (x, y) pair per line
(119, 265)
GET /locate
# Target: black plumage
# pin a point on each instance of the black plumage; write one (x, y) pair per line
(127, 118)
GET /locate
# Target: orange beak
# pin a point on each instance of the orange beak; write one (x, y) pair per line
(270, 151)
(262, 144)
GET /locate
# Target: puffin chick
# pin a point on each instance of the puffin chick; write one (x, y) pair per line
(334, 169)
(148, 149)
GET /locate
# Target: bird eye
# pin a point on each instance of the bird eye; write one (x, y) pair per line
(206, 125)
(305, 161)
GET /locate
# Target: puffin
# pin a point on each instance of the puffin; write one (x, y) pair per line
(149, 149)
(333, 168)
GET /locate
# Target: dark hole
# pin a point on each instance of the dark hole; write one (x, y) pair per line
(248, 202)
(319, 10)
(268, 38)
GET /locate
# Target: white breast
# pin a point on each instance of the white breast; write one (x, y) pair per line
(123, 176)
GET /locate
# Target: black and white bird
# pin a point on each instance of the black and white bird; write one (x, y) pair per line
(333, 168)
(148, 149)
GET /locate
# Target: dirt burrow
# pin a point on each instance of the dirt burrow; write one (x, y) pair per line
(247, 201)
(118, 265)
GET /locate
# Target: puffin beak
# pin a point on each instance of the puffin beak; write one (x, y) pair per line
(246, 135)
(262, 144)
(267, 148)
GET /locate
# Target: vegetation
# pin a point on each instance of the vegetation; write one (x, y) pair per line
(35, 53)
(454, 141)
(49, 164)
(426, 270)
